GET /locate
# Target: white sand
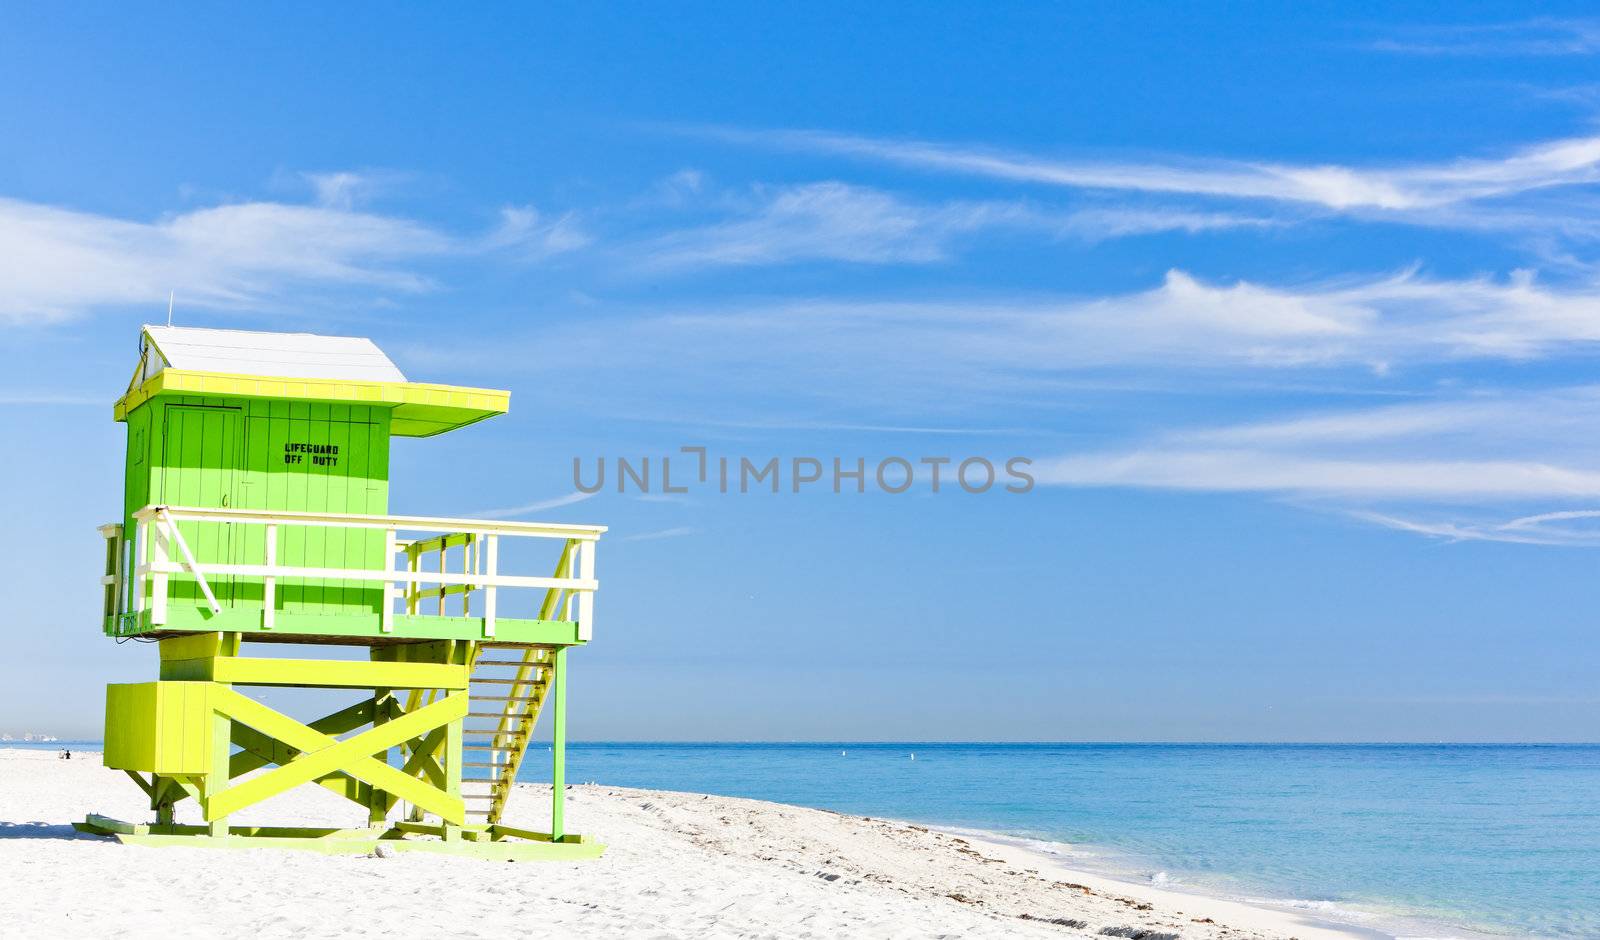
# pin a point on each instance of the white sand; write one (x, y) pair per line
(678, 865)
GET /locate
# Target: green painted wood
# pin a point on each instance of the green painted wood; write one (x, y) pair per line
(212, 451)
(342, 844)
(558, 746)
(356, 628)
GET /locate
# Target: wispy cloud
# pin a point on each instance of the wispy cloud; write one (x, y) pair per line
(527, 233)
(1331, 186)
(56, 263)
(948, 351)
(512, 512)
(830, 221)
(1407, 467)
(51, 398)
(346, 189)
(1125, 221)
(673, 533)
(1573, 528)
(839, 222)
(1246, 471)
(1540, 36)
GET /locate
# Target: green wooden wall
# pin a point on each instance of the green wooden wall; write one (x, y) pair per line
(210, 452)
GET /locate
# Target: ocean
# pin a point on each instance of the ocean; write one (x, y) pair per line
(1447, 840)
(1415, 840)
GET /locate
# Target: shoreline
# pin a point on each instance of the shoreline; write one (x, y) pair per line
(697, 862)
(1336, 918)
(1261, 914)
(1307, 925)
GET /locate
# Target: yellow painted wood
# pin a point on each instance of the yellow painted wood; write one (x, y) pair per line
(159, 727)
(503, 851)
(217, 780)
(261, 750)
(420, 409)
(199, 646)
(338, 673)
(324, 754)
(424, 761)
(501, 831)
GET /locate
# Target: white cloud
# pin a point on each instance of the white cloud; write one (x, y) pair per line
(56, 263)
(1574, 528)
(524, 231)
(828, 221)
(836, 221)
(1123, 222)
(1437, 469)
(1183, 325)
(1412, 460)
(1332, 186)
(673, 533)
(1540, 36)
(1246, 471)
(30, 399)
(540, 506)
(344, 189)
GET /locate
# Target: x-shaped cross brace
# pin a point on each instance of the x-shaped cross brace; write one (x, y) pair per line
(322, 754)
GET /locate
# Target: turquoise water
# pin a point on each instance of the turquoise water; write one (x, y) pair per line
(1417, 840)
(1435, 840)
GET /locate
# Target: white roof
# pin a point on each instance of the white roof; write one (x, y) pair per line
(290, 355)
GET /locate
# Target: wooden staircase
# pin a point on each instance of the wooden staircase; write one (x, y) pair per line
(505, 695)
(504, 702)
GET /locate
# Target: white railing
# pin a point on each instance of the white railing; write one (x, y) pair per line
(159, 551)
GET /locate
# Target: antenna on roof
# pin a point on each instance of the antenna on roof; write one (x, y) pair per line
(170, 295)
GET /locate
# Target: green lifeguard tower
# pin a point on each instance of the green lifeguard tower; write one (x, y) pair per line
(256, 511)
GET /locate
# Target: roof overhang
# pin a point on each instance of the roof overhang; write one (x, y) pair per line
(419, 409)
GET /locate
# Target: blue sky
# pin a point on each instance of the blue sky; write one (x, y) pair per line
(1294, 308)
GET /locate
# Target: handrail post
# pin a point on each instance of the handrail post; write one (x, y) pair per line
(444, 549)
(269, 583)
(469, 567)
(141, 560)
(386, 612)
(490, 597)
(158, 574)
(413, 587)
(586, 597)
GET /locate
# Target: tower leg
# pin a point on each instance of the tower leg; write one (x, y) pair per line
(558, 745)
(452, 770)
(378, 800)
(217, 780)
(162, 801)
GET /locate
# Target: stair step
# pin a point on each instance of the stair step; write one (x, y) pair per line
(471, 763)
(536, 663)
(486, 747)
(535, 682)
(505, 698)
(491, 715)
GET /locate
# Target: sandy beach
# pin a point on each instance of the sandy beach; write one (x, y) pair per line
(678, 865)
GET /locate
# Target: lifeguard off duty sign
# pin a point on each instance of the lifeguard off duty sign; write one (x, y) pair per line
(322, 455)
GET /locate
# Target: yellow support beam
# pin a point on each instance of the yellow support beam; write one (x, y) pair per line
(316, 673)
(324, 755)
